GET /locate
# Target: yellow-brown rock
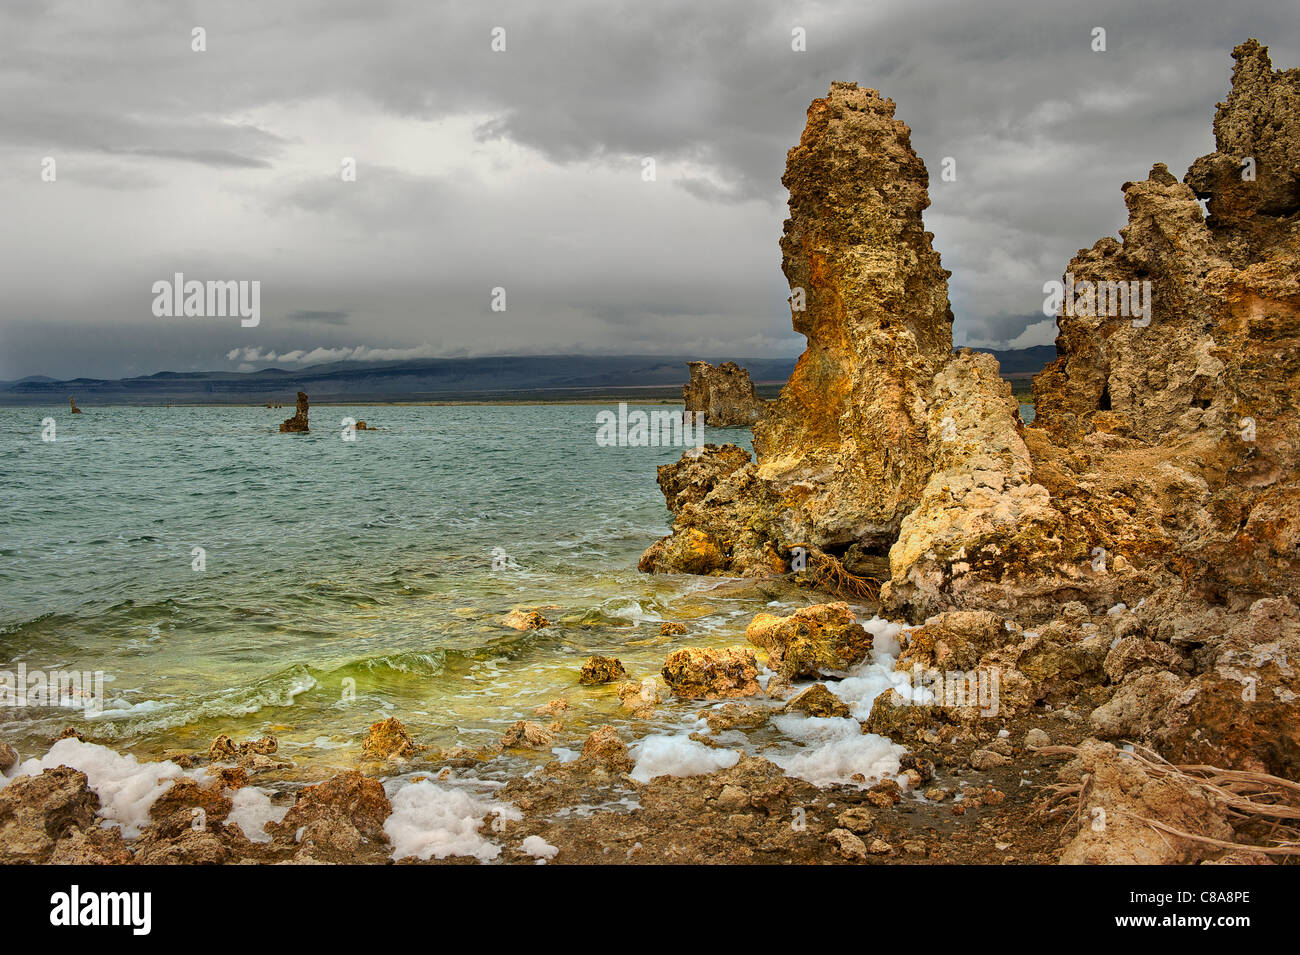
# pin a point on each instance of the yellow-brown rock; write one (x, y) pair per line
(388, 739)
(525, 734)
(823, 637)
(524, 620)
(598, 669)
(697, 673)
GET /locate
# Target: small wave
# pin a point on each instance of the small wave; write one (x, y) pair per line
(151, 716)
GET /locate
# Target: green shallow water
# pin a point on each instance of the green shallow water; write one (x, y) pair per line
(331, 565)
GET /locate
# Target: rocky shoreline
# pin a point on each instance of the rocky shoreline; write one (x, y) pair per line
(1100, 657)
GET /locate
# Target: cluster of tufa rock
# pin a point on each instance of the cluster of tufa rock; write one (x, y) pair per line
(1161, 472)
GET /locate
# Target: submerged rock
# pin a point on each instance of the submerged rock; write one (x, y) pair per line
(695, 673)
(299, 420)
(524, 620)
(724, 394)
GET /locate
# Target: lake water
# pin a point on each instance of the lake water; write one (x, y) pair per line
(330, 564)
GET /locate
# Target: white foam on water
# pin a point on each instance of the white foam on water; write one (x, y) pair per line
(126, 787)
(253, 810)
(679, 755)
(832, 750)
(539, 848)
(837, 750)
(432, 821)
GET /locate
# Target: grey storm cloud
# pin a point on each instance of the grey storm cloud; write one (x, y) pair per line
(522, 169)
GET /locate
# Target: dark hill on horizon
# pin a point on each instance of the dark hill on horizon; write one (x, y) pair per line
(531, 377)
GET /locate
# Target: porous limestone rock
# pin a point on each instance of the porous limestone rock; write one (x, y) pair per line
(299, 420)
(810, 640)
(724, 394)
(598, 669)
(8, 758)
(388, 739)
(524, 620)
(817, 701)
(38, 811)
(332, 821)
(604, 747)
(841, 456)
(697, 673)
(1118, 794)
(525, 734)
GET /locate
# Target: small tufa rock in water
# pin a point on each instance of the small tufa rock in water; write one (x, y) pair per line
(388, 739)
(817, 701)
(73, 405)
(298, 423)
(671, 629)
(606, 749)
(526, 734)
(599, 669)
(639, 698)
(524, 620)
(724, 394)
(696, 673)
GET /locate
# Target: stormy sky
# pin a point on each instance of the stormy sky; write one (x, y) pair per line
(523, 169)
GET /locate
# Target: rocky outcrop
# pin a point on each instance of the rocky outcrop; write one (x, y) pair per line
(299, 420)
(1164, 452)
(822, 637)
(72, 405)
(36, 812)
(1243, 711)
(1173, 440)
(724, 394)
(841, 457)
(1118, 798)
(333, 821)
(695, 673)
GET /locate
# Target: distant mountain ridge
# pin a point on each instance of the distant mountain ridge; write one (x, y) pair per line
(423, 379)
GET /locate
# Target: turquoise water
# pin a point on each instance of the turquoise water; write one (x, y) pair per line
(329, 563)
